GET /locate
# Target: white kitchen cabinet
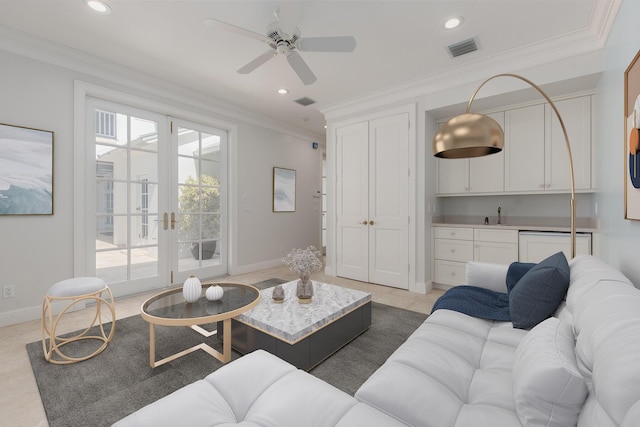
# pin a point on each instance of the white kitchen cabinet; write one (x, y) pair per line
(524, 149)
(495, 246)
(455, 246)
(534, 158)
(536, 246)
(536, 151)
(476, 175)
(453, 176)
(576, 115)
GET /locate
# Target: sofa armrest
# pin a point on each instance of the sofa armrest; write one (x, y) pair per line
(486, 275)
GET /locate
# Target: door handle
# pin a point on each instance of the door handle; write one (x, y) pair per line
(371, 222)
(173, 220)
(364, 222)
(165, 221)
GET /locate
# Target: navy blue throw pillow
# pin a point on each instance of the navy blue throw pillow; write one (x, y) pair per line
(516, 271)
(537, 295)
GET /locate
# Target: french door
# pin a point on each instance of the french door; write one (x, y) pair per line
(159, 200)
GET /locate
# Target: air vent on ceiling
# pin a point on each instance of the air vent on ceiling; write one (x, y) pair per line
(304, 101)
(463, 47)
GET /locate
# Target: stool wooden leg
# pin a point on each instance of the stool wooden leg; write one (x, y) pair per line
(49, 325)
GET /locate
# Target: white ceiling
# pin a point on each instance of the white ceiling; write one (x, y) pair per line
(398, 42)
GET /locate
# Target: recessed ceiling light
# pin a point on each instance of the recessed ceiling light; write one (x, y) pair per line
(452, 23)
(99, 6)
(283, 91)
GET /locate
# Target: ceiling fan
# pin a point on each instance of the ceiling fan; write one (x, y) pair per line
(283, 37)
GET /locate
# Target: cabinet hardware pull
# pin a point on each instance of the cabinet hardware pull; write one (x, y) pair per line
(371, 222)
(364, 222)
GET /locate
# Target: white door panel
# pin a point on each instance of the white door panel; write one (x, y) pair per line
(372, 201)
(389, 201)
(352, 201)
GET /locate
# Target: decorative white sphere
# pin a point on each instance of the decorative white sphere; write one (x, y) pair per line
(214, 292)
(192, 289)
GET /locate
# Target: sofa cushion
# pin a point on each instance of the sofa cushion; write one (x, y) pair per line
(548, 389)
(453, 370)
(539, 292)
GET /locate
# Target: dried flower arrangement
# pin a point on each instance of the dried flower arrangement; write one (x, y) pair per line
(303, 262)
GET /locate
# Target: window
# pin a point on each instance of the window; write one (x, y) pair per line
(106, 124)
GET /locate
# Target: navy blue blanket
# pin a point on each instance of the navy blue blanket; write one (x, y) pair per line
(481, 302)
(476, 302)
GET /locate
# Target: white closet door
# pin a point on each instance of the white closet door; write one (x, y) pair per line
(389, 201)
(352, 201)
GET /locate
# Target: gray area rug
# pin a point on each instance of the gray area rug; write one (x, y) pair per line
(117, 382)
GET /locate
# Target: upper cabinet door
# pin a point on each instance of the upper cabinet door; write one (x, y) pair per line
(524, 149)
(453, 176)
(486, 174)
(576, 115)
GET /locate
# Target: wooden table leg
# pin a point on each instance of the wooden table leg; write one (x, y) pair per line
(152, 345)
(226, 344)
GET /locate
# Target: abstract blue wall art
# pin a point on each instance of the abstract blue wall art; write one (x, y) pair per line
(26, 171)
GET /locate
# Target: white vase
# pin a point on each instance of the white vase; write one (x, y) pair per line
(192, 289)
(214, 292)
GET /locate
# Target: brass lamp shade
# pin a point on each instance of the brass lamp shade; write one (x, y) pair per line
(468, 135)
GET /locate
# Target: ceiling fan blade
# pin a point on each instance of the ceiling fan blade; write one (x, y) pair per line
(214, 23)
(327, 44)
(301, 68)
(288, 13)
(257, 62)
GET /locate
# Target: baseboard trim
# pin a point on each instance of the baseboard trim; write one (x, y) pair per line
(250, 268)
(28, 314)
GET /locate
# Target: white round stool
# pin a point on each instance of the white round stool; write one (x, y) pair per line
(74, 291)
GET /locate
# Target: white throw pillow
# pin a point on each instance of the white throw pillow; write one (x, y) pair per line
(547, 386)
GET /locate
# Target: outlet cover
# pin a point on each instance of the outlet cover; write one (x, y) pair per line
(9, 291)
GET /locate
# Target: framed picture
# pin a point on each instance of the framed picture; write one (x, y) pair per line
(26, 171)
(632, 140)
(284, 190)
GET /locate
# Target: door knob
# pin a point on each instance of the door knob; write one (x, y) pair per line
(371, 222)
(364, 222)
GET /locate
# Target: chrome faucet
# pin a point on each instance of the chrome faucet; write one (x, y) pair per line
(499, 209)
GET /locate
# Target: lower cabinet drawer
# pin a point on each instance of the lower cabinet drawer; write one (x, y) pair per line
(450, 272)
(454, 250)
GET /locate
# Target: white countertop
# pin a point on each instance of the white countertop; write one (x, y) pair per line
(583, 225)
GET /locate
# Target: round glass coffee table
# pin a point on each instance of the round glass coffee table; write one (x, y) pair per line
(169, 308)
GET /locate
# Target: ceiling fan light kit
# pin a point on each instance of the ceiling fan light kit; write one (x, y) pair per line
(283, 37)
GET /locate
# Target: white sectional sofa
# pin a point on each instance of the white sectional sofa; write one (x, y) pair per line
(581, 366)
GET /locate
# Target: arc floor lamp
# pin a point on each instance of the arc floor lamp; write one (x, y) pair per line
(476, 135)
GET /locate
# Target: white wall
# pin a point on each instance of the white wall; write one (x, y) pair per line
(37, 251)
(264, 237)
(620, 237)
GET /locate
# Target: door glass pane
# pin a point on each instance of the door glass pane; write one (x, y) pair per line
(198, 198)
(127, 191)
(144, 165)
(111, 266)
(110, 196)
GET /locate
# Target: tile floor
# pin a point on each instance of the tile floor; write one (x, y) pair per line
(20, 403)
